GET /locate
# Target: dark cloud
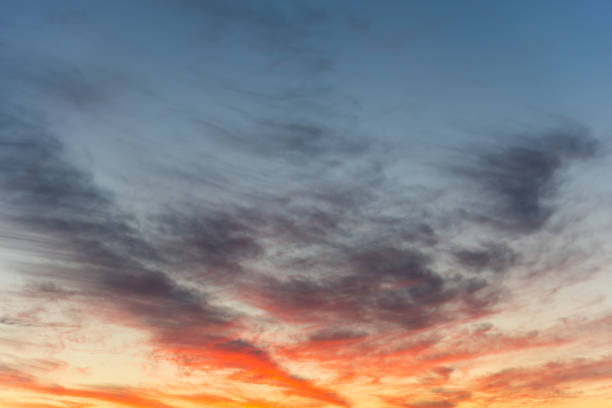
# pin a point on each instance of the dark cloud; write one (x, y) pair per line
(522, 178)
(209, 242)
(390, 262)
(101, 248)
(379, 284)
(490, 257)
(36, 176)
(334, 334)
(8, 321)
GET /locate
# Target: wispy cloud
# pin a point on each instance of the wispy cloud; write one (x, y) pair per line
(522, 177)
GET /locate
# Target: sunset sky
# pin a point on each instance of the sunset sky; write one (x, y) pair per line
(305, 204)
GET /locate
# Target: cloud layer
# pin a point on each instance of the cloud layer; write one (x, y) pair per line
(245, 221)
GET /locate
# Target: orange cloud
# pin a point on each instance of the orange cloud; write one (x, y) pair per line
(549, 381)
(14, 379)
(253, 364)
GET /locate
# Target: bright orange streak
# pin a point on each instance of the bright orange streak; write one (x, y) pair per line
(256, 367)
(127, 398)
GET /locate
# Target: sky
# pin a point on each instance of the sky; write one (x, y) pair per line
(304, 204)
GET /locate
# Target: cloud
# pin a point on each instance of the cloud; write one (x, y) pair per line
(492, 257)
(299, 142)
(211, 242)
(101, 247)
(18, 380)
(440, 398)
(254, 365)
(431, 404)
(548, 381)
(107, 256)
(333, 335)
(446, 398)
(160, 276)
(379, 283)
(521, 178)
(13, 377)
(280, 250)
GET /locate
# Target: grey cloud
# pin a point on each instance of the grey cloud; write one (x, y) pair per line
(337, 334)
(212, 241)
(381, 284)
(8, 321)
(102, 249)
(492, 257)
(522, 177)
